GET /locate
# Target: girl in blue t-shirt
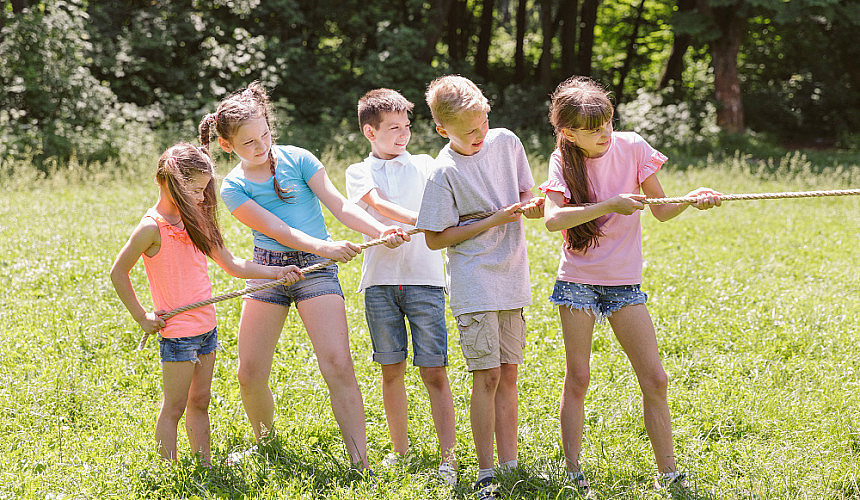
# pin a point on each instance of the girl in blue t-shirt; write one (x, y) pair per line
(276, 191)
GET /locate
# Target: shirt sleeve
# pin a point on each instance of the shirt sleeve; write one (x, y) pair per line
(555, 177)
(233, 193)
(524, 171)
(359, 182)
(438, 209)
(308, 164)
(652, 160)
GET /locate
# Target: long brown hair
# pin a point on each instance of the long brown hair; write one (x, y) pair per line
(176, 166)
(232, 112)
(578, 103)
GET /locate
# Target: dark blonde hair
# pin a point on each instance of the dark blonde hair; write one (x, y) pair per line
(232, 112)
(578, 103)
(373, 104)
(448, 96)
(176, 167)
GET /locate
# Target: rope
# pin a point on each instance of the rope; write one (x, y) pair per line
(257, 288)
(723, 197)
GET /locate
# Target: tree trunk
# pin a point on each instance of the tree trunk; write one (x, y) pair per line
(587, 21)
(545, 62)
(724, 59)
(568, 13)
(19, 5)
(672, 73)
(629, 55)
(482, 55)
(519, 52)
(439, 12)
(457, 25)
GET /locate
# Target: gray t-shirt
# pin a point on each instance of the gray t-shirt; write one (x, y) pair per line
(489, 272)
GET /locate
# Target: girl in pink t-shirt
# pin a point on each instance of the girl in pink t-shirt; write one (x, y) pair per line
(174, 238)
(593, 197)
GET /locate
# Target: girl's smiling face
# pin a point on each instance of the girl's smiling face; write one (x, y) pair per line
(594, 142)
(251, 142)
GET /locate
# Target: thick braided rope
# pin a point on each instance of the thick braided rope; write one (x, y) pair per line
(257, 288)
(723, 197)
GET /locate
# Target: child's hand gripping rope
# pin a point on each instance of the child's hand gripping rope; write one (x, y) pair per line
(392, 238)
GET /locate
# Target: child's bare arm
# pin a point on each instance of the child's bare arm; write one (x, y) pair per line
(144, 236)
(388, 208)
(247, 269)
(705, 198)
(457, 234)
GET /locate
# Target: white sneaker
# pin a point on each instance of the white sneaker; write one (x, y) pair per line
(447, 475)
(236, 457)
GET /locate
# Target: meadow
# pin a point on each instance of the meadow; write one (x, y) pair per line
(756, 305)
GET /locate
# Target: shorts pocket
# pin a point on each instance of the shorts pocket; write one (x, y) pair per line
(474, 337)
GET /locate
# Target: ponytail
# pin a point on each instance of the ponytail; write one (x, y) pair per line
(578, 103)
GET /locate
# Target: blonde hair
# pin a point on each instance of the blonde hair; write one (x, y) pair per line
(578, 103)
(176, 168)
(232, 112)
(448, 96)
(373, 104)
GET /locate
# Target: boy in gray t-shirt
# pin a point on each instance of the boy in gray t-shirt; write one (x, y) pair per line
(482, 170)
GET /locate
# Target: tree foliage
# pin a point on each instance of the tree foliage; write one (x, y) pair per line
(78, 74)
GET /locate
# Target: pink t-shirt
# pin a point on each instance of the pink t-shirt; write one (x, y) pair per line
(617, 260)
(177, 277)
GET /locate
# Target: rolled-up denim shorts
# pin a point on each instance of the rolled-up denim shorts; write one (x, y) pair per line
(385, 307)
(188, 348)
(599, 300)
(316, 283)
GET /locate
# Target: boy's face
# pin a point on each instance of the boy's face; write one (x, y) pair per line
(251, 142)
(466, 131)
(390, 139)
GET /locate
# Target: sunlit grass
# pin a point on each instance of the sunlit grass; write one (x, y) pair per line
(756, 307)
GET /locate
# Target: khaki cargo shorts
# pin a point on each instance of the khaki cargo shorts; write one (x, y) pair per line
(490, 338)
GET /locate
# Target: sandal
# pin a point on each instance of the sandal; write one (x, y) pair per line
(578, 480)
(672, 481)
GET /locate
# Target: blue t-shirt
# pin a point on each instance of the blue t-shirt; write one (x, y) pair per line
(303, 211)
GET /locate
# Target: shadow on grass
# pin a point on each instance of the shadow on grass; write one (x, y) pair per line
(275, 465)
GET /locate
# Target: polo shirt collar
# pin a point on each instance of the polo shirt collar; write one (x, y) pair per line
(378, 163)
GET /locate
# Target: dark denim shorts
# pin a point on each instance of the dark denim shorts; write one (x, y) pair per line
(316, 283)
(600, 300)
(386, 306)
(188, 348)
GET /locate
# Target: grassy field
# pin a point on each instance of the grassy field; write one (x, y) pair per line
(756, 304)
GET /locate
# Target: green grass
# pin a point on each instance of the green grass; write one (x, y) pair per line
(756, 307)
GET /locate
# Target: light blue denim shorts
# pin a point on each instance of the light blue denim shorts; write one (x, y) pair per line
(600, 300)
(386, 306)
(188, 348)
(316, 283)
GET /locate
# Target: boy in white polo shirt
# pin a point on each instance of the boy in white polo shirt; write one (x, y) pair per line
(408, 281)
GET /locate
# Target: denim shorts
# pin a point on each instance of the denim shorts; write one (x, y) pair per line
(188, 348)
(316, 283)
(599, 300)
(385, 307)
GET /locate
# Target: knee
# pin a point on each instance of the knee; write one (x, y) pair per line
(336, 367)
(576, 382)
(655, 383)
(199, 402)
(486, 381)
(250, 375)
(434, 377)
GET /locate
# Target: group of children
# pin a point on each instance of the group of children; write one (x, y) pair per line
(591, 196)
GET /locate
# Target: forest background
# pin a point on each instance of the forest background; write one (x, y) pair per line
(117, 80)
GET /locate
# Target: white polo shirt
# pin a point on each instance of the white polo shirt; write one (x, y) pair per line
(401, 180)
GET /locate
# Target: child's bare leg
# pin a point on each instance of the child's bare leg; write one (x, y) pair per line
(259, 329)
(482, 413)
(197, 407)
(176, 379)
(435, 379)
(325, 321)
(635, 331)
(396, 405)
(507, 413)
(577, 328)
